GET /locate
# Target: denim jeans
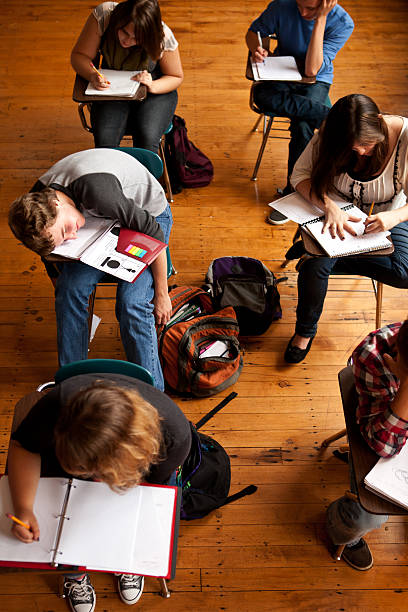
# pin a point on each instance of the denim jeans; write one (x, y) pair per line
(134, 312)
(346, 519)
(146, 121)
(305, 106)
(314, 277)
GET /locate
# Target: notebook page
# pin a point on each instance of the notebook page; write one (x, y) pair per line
(276, 68)
(86, 235)
(152, 550)
(48, 503)
(351, 244)
(298, 209)
(389, 477)
(121, 83)
(101, 528)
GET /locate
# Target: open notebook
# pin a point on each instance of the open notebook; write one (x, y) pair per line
(276, 68)
(296, 208)
(103, 244)
(389, 478)
(121, 84)
(86, 524)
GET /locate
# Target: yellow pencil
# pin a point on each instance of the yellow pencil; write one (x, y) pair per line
(16, 520)
(371, 209)
(97, 71)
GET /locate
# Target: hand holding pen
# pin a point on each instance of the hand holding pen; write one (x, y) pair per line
(97, 79)
(26, 530)
(260, 52)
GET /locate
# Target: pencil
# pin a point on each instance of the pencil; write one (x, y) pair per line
(371, 209)
(16, 520)
(97, 71)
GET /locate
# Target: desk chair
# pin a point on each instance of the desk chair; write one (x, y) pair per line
(86, 124)
(363, 458)
(113, 366)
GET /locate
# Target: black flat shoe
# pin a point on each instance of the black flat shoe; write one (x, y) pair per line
(294, 354)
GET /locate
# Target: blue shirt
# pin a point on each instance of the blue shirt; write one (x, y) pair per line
(283, 19)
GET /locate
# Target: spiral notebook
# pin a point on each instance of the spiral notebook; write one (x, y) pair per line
(87, 524)
(389, 478)
(311, 220)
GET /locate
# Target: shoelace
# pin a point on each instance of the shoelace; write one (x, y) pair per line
(80, 590)
(129, 580)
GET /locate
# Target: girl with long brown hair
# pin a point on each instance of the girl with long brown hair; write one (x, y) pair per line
(361, 156)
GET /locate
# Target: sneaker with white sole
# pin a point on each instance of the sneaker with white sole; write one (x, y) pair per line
(130, 587)
(80, 594)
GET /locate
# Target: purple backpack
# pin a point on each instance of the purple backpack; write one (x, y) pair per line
(250, 288)
(186, 164)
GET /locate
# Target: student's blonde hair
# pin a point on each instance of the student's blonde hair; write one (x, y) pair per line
(110, 433)
(29, 217)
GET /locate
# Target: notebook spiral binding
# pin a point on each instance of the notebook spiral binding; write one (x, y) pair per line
(322, 218)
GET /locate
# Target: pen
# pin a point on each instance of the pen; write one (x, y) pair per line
(16, 520)
(98, 73)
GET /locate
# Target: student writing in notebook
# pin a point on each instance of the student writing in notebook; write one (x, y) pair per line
(313, 31)
(360, 155)
(105, 427)
(130, 36)
(380, 368)
(105, 183)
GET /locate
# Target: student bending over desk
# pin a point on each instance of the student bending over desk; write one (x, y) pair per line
(360, 156)
(130, 36)
(107, 427)
(380, 367)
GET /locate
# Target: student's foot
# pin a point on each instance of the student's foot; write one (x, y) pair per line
(358, 556)
(297, 348)
(80, 594)
(276, 218)
(130, 587)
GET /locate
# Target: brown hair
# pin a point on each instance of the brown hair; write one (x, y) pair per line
(402, 342)
(29, 217)
(146, 17)
(109, 432)
(353, 118)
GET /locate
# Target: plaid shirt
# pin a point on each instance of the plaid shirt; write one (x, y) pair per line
(377, 386)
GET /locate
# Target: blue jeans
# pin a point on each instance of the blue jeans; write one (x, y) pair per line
(134, 312)
(314, 277)
(305, 106)
(346, 519)
(146, 121)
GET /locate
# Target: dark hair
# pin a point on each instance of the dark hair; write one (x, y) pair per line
(354, 118)
(402, 342)
(30, 216)
(109, 432)
(146, 17)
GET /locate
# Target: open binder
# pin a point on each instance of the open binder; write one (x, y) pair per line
(86, 524)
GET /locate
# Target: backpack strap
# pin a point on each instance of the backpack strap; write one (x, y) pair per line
(214, 411)
(249, 490)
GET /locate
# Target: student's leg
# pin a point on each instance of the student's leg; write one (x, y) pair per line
(109, 121)
(388, 269)
(150, 118)
(134, 311)
(74, 286)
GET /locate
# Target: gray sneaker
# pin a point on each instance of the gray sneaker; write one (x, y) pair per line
(80, 594)
(276, 218)
(130, 587)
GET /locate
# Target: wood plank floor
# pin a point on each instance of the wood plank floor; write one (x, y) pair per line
(267, 552)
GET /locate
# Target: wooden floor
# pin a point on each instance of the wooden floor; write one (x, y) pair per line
(266, 552)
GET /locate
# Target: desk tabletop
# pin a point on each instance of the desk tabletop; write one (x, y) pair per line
(80, 84)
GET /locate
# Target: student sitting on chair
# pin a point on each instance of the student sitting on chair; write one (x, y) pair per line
(313, 31)
(360, 156)
(104, 183)
(380, 368)
(130, 36)
(106, 427)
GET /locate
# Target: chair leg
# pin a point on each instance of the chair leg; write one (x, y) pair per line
(164, 591)
(258, 121)
(91, 304)
(378, 307)
(165, 173)
(333, 438)
(262, 148)
(339, 551)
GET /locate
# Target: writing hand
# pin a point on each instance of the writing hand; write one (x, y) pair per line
(99, 82)
(260, 54)
(380, 222)
(26, 535)
(144, 77)
(162, 308)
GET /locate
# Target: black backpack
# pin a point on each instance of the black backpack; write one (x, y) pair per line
(186, 164)
(206, 473)
(250, 288)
